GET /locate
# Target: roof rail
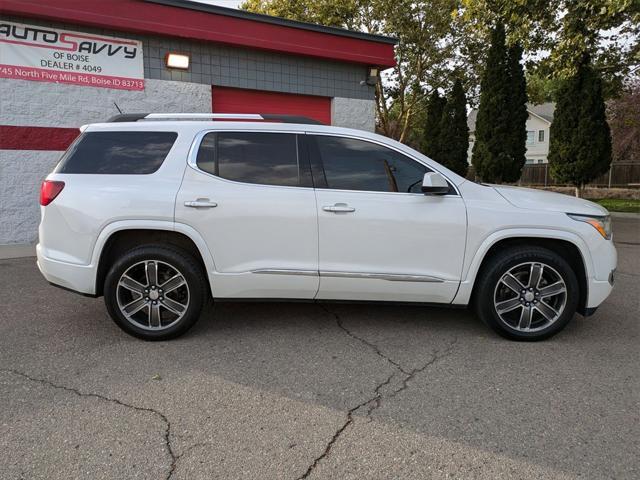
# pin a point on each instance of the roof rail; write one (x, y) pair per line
(269, 117)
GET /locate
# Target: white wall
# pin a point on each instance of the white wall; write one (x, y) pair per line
(353, 113)
(41, 104)
(538, 150)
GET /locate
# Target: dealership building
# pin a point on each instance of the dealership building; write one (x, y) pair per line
(66, 63)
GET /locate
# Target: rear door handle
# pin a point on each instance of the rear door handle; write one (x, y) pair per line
(338, 208)
(200, 203)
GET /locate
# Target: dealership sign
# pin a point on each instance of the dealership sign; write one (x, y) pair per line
(46, 54)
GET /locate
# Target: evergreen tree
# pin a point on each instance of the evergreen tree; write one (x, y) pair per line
(516, 148)
(454, 132)
(493, 132)
(580, 139)
(431, 141)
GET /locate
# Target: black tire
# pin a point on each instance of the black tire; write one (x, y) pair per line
(163, 257)
(490, 287)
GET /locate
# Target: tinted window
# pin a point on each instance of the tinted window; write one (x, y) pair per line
(266, 158)
(117, 152)
(351, 164)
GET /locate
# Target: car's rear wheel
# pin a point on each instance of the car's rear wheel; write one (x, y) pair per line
(155, 292)
(527, 293)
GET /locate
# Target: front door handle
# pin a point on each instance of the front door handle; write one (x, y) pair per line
(338, 208)
(200, 203)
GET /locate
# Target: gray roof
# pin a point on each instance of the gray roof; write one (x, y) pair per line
(544, 111)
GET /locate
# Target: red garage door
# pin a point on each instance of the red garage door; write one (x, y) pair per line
(240, 100)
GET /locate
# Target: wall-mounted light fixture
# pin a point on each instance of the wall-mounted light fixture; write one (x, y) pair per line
(372, 77)
(177, 60)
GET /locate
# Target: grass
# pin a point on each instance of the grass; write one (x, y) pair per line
(620, 205)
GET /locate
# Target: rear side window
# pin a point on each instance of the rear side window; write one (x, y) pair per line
(121, 153)
(251, 157)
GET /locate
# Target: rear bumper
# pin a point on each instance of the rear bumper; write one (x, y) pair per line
(79, 278)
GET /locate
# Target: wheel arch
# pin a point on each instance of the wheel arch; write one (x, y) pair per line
(569, 246)
(116, 239)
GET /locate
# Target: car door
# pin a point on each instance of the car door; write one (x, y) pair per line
(380, 238)
(249, 196)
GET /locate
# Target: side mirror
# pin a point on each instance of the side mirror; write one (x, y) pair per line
(434, 184)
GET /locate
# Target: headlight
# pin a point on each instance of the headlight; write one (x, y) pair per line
(601, 224)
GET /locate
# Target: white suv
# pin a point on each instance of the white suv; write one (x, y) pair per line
(159, 212)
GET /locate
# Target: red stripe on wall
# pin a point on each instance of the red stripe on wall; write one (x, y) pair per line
(36, 138)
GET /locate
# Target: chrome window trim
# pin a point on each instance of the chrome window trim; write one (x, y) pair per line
(195, 145)
(382, 144)
(192, 156)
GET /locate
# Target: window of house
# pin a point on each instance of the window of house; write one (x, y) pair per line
(251, 157)
(531, 137)
(351, 164)
(541, 135)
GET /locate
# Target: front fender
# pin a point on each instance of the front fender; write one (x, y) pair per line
(470, 270)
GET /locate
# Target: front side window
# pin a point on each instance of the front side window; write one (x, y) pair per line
(117, 153)
(351, 164)
(251, 157)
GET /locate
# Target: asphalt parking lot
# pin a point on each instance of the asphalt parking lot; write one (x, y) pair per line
(290, 391)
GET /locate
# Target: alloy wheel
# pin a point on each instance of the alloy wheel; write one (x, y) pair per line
(153, 295)
(530, 297)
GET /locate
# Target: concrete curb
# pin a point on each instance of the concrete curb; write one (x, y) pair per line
(17, 251)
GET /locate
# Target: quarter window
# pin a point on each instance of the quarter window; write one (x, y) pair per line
(117, 153)
(351, 164)
(251, 157)
(541, 136)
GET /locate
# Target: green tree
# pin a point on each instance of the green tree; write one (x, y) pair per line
(541, 88)
(490, 157)
(555, 34)
(427, 53)
(580, 143)
(516, 147)
(454, 132)
(432, 126)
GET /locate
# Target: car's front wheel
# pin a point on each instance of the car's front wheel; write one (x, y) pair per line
(155, 292)
(527, 293)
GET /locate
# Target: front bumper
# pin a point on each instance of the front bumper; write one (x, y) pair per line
(598, 292)
(600, 285)
(79, 278)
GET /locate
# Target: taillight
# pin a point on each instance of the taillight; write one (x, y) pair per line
(49, 190)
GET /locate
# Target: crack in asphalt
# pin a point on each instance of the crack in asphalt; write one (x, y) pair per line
(158, 414)
(372, 346)
(376, 400)
(187, 450)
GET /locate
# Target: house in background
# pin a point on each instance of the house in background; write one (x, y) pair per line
(538, 124)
